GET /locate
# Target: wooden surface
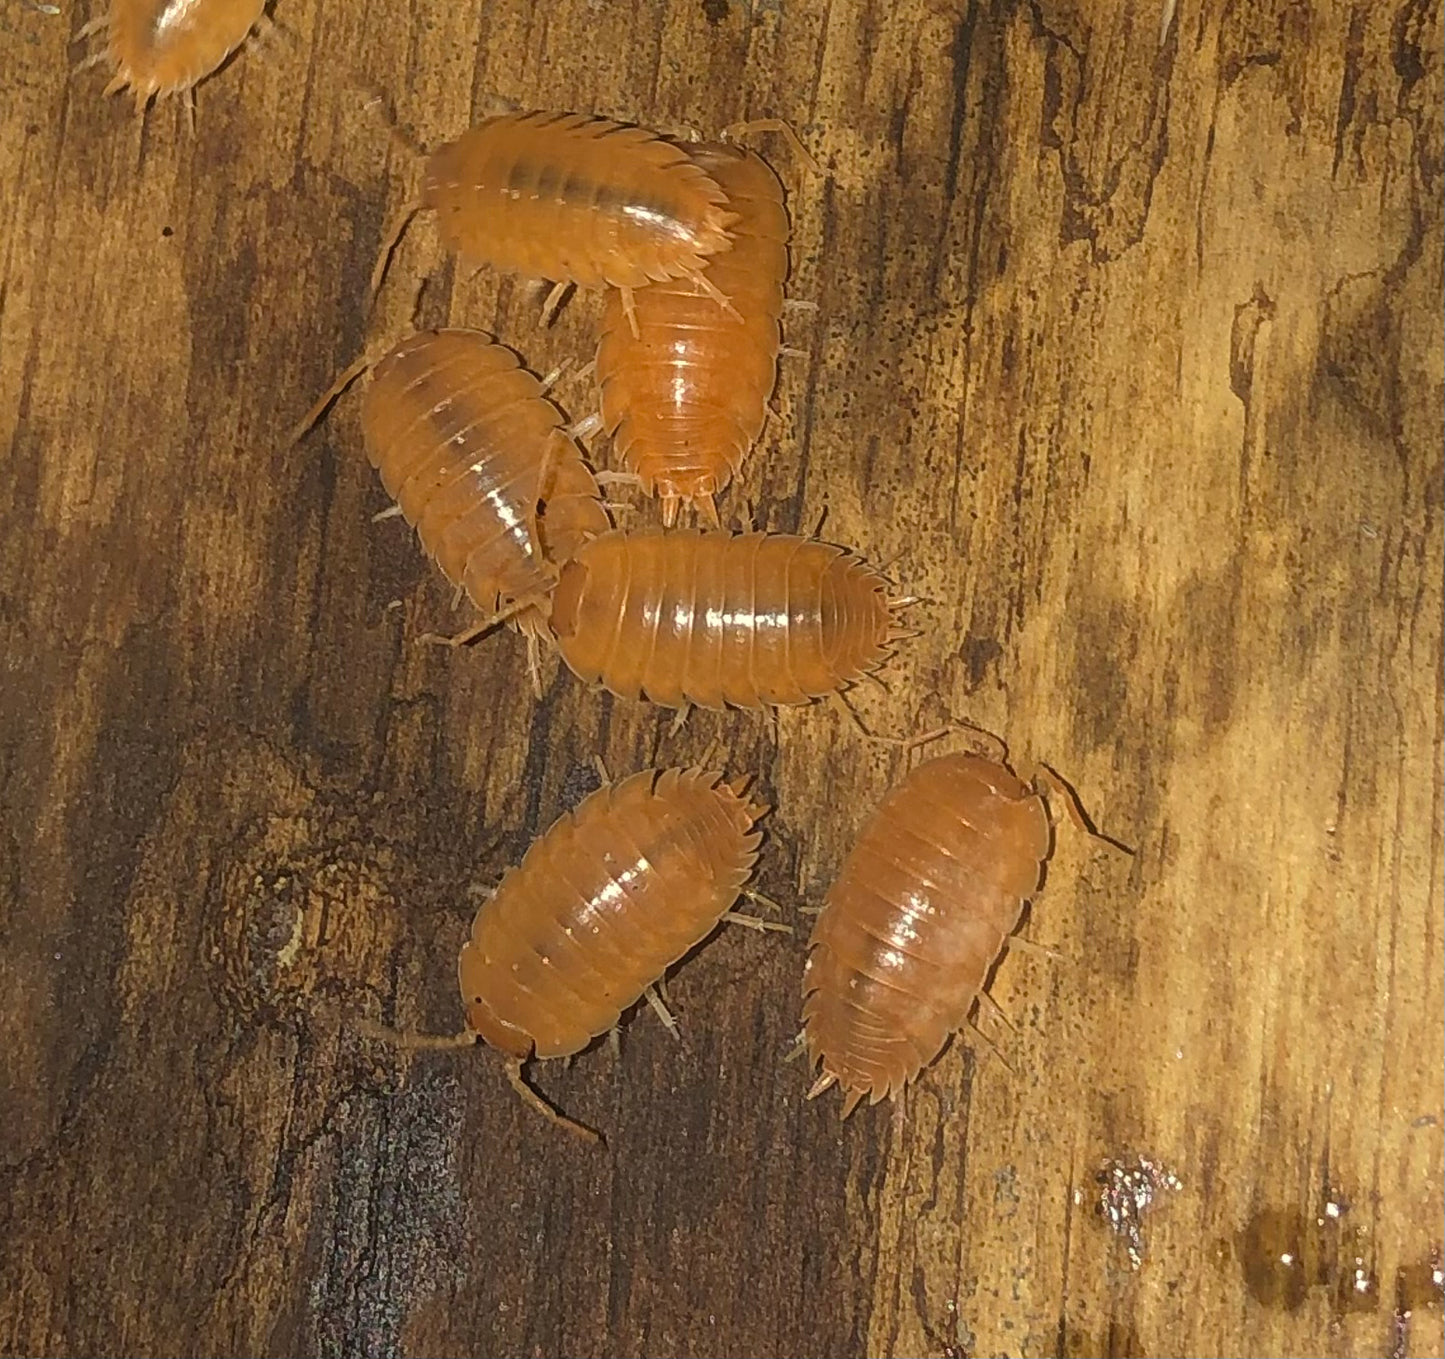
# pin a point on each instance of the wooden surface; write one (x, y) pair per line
(1128, 355)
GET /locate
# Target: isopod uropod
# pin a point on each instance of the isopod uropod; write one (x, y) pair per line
(468, 446)
(576, 199)
(686, 397)
(601, 906)
(163, 47)
(719, 620)
(924, 903)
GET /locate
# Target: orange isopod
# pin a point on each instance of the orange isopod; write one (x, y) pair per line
(720, 620)
(686, 397)
(577, 199)
(640, 873)
(468, 446)
(925, 902)
(163, 47)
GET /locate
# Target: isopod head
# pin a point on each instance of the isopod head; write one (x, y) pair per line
(483, 1021)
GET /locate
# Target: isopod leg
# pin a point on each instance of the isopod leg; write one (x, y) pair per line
(554, 301)
(555, 376)
(709, 753)
(629, 310)
(339, 384)
(472, 633)
(754, 922)
(702, 505)
(991, 1046)
(821, 1084)
(996, 1010)
(996, 749)
(550, 1112)
(415, 1042)
(928, 737)
(770, 720)
(615, 478)
(735, 130)
(699, 279)
(1056, 784)
(1031, 946)
(659, 1008)
(93, 26)
(390, 242)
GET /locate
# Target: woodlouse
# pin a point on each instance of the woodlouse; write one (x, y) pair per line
(717, 619)
(164, 47)
(619, 889)
(685, 397)
(469, 447)
(575, 199)
(924, 903)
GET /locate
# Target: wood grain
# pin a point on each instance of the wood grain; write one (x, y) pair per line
(1128, 354)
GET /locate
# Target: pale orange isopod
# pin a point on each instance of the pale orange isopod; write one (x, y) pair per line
(575, 199)
(925, 902)
(719, 620)
(641, 872)
(469, 447)
(163, 47)
(686, 396)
